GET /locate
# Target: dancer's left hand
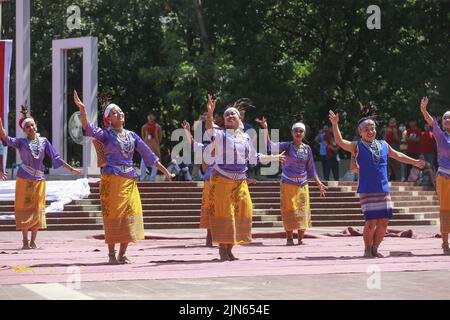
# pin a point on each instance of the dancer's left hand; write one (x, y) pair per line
(3, 176)
(170, 176)
(420, 164)
(78, 172)
(322, 189)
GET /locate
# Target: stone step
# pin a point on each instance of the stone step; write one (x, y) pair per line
(194, 198)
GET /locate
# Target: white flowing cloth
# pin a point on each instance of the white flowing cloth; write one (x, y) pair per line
(61, 192)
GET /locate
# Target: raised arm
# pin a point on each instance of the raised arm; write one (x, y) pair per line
(187, 130)
(82, 108)
(344, 144)
(211, 107)
(423, 108)
(401, 157)
(263, 123)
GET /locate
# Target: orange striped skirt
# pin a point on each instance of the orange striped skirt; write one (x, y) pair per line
(121, 209)
(443, 192)
(295, 208)
(29, 204)
(204, 214)
(230, 211)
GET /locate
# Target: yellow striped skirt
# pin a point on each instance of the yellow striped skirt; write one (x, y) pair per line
(295, 209)
(29, 204)
(204, 215)
(230, 211)
(443, 192)
(121, 209)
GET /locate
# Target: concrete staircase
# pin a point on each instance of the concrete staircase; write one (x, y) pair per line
(171, 205)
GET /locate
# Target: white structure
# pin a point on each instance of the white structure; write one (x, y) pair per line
(22, 60)
(89, 45)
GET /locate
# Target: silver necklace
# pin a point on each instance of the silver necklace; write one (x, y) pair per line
(301, 152)
(125, 143)
(375, 149)
(35, 146)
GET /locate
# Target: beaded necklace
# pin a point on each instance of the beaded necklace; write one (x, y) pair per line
(300, 152)
(125, 142)
(35, 146)
(374, 148)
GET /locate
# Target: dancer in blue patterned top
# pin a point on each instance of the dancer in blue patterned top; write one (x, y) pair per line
(373, 187)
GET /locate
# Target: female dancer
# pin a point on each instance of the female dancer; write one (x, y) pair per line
(371, 157)
(294, 189)
(29, 203)
(230, 208)
(443, 174)
(119, 194)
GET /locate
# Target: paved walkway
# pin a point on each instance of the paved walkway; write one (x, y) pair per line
(73, 265)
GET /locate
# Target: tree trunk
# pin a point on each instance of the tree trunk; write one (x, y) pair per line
(209, 70)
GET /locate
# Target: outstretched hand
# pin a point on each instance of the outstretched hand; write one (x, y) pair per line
(78, 172)
(186, 126)
(78, 101)
(322, 189)
(334, 118)
(282, 157)
(170, 176)
(3, 176)
(262, 122)
(424, 104)
(420, 164)
(211, 104)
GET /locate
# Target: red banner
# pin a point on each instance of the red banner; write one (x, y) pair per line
(5, 67)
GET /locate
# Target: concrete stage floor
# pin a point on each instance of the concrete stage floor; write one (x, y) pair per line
(72, 265)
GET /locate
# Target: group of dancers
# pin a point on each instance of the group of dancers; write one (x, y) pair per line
(226, 210)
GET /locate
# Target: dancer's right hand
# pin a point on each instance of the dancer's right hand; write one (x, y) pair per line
(78, 101)
(262, 122)
(3, 176)
(211, 105)
(424, 104)
(186, 126)
(334, 118)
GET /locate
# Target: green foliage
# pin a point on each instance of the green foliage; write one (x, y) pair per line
(286, 56)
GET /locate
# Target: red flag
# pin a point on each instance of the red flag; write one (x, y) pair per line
(5, 67)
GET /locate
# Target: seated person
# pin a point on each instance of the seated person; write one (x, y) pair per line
(425, 176)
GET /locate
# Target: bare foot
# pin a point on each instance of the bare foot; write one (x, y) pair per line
(112, 258)
(224, 254)
(368, 253)
(25, 246)
(209, 241)
(232, 257)
(289, 242)
(446, 249)
(123, 260)
(375, 253)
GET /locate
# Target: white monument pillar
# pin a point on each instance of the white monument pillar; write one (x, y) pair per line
(89, 94)
(22, 60)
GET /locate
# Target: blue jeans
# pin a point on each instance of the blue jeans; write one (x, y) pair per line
(175, 168)
(429, 157)
(144, 172)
